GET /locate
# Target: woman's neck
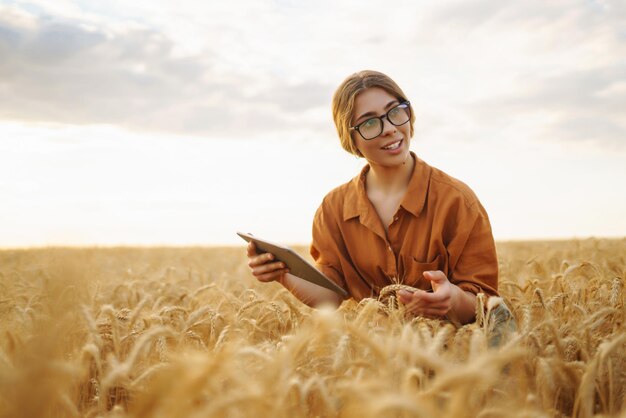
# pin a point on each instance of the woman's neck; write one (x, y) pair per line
(391, 180)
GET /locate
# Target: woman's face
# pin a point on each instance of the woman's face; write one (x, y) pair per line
(391, 147)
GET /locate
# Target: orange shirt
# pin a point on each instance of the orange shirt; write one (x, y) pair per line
(440, 225)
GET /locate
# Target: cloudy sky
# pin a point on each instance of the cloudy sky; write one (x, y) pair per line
(159, 122)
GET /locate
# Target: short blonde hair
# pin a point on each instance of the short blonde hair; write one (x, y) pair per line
(343, 102)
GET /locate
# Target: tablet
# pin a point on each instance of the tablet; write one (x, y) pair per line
(297, 265)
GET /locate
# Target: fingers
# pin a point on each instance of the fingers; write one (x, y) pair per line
(424, 304)
(422, 307)
(435, 275)
(404, 296)
(268, 268)
(423, 297)
(272, 276)
(437, 279)
(251, 249)
(257, 260)
(431, 298)
(262, 267)
(264, 270)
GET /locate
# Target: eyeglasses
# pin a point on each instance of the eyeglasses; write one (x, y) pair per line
(371, 128)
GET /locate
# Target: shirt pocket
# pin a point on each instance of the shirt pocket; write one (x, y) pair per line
(414, 272)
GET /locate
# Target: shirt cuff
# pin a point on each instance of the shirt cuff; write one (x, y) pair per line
(470, 287)
(334, 276)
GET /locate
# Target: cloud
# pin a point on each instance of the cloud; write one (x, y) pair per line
(587, 105)
(207, 68)
(550, 70)
(65, 71)
(531, 13)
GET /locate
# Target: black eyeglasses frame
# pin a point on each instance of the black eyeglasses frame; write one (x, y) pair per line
(382, 123)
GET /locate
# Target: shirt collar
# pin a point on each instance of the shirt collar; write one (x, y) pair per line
(357, 203)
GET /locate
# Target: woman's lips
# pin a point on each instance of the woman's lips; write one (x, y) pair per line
(396, 147)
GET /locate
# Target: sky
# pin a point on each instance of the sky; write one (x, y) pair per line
(180, 123)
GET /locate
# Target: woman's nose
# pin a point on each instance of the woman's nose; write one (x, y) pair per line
(388, 127)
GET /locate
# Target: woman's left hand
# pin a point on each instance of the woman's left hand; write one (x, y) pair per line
(431, 305)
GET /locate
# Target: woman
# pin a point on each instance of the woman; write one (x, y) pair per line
(399, 221)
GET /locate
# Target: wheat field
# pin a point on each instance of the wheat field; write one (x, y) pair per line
(188, 332)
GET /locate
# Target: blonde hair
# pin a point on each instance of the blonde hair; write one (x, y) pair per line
(343, 102)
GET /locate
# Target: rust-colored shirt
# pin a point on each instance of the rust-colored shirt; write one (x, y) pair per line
(439, 225)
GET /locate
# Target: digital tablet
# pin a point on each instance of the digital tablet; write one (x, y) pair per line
(297, 265)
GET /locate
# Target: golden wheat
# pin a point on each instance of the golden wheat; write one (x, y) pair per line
(136, 332)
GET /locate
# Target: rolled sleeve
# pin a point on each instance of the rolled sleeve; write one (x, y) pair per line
(324, 249)
(473, 258)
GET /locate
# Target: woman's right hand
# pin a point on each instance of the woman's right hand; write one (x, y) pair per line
(263, 267)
